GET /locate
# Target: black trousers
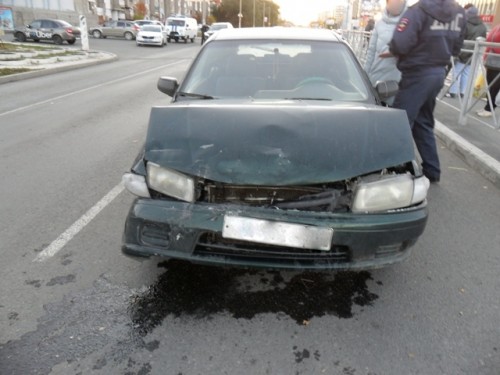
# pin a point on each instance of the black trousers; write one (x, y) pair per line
(491, 74)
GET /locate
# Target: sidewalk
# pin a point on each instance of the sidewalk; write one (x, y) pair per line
(477, 143)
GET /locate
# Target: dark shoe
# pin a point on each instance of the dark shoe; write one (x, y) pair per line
(461, 95)
(449, 95)
(432, 179)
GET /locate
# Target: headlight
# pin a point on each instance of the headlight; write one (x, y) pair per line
(136, 184)
(170, 182)
(390, 193)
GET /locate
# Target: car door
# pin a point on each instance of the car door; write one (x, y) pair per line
(119, 30)
(46, 30)
(108, 28)
(33, 29)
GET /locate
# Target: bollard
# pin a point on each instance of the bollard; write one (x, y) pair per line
(84, 33)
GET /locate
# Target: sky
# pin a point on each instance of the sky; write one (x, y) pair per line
(303, 12)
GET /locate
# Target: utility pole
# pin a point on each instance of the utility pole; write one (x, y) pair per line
(253, 13)
(264, 13)
(240, 16)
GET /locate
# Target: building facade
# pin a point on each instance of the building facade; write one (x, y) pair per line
(15, 13)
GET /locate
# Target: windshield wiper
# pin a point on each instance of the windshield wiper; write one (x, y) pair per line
(194, 95)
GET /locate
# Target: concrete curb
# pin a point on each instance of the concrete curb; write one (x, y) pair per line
(483, 163)
(109, 57)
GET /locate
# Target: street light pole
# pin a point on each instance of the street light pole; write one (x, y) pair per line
(253, 13)
(240, 15)
(264, 13)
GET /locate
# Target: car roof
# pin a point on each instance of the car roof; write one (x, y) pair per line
(50, 19)
(271, 33)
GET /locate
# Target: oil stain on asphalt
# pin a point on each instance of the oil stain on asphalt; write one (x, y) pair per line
(110, 321)
(200, 291)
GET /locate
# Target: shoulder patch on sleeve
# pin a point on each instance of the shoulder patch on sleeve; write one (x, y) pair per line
(403, 24)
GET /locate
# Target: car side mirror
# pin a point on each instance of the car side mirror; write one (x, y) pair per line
(168, 85)
(386, 89)
(28, 26)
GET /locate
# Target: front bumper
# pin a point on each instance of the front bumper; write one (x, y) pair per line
(193, 232)
(151, 42)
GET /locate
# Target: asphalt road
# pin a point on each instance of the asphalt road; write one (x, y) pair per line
(66, 139)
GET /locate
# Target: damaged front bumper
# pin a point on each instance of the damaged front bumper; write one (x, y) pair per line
(195, 232)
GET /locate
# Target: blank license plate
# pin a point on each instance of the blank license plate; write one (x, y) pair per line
(277, 233)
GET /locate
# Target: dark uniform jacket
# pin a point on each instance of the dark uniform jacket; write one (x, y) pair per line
(428, 34)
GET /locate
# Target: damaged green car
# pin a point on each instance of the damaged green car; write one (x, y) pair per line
(276, 152)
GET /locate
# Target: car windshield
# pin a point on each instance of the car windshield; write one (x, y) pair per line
(286, 69)
(175, 23)
(154, 28)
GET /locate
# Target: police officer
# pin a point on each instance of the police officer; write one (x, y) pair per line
(428, 34)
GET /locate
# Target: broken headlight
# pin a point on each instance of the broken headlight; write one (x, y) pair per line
(136, 184)
(392, 192)
(170, 182)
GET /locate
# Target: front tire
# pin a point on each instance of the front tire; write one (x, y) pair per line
(20, 37)
(71, 41)
(128, 35)
(97, 34)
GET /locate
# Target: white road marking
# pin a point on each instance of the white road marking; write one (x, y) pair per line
(78, 225)
(88, 88)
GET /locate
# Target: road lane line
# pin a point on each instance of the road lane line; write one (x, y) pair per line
(90, 88)
(78, 225)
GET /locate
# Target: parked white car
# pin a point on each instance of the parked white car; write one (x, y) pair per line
(181, 28)
(155, 35)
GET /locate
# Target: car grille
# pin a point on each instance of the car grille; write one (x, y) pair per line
(213, 244)
(307, 198)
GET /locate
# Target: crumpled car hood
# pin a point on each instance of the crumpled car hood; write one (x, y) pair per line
(277, 143)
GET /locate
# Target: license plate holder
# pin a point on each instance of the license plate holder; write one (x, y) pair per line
(277, 233)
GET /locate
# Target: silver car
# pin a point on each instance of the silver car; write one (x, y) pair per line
(118, 29)
(57, 31)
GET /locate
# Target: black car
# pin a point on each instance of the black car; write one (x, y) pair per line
(276, 152)
(57, 31)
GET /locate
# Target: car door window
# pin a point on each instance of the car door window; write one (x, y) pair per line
(36, 24)
(120, 24)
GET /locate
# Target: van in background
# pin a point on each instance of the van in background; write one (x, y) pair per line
(181, 28)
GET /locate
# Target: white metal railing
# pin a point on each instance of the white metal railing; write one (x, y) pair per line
(359, 40)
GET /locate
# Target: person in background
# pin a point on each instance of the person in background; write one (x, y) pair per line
(204, 29)
(368, 29)
(492, 64)
(380, 65)
(428, 34)
(475, 28)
